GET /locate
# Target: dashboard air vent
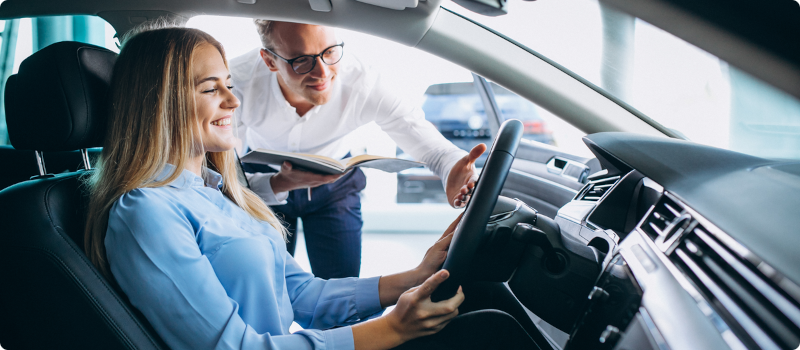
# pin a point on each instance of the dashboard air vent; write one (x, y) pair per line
(595, 189)
(664, 213)
(756, 309)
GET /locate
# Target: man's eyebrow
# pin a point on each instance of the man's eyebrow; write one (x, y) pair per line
(296, 54)
(210, 79)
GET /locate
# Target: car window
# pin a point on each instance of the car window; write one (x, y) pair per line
(671, 81)
(442, 89)
(22, 37)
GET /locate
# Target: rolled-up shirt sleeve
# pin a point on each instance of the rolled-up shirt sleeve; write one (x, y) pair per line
(259, 183)
(154, 257)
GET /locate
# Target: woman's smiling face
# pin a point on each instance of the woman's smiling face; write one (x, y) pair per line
(214, 100)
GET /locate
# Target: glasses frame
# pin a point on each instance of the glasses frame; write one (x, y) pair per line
(313, 58)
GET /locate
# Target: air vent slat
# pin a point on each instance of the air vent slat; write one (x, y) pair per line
(594, 190)
(655, 228)
(750, 303)
(672, 210)
(662, 214)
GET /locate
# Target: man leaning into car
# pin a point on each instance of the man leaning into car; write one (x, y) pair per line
(298, 95)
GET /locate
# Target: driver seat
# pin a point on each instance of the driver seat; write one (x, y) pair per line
(51, 295)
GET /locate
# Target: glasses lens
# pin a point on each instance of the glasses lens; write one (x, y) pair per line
(303, 64)
(332, 55)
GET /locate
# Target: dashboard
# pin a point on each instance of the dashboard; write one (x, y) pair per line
(686, 264)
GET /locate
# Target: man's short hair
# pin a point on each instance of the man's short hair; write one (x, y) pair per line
(265, 30)
(153, 24)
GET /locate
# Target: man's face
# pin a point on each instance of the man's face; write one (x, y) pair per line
(292, 40)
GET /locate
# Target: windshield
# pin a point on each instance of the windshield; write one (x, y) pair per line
(671, 81)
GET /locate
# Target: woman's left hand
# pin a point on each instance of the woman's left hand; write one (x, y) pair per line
(392, 286)
(437, 253)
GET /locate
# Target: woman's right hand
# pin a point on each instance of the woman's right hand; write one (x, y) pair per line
(416, 315)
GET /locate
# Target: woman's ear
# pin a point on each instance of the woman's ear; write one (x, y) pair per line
(269, 60)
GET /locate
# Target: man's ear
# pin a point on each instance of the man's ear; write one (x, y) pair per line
(269, 60)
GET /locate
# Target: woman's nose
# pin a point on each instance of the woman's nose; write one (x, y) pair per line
(231, 101)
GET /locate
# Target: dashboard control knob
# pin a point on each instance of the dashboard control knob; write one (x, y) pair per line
(598, 294)
(609, 335)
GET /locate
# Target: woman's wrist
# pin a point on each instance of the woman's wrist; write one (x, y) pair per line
(389, 335)
(390, 287)
(419, 275)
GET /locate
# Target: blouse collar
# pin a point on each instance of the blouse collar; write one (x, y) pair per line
(188, 179)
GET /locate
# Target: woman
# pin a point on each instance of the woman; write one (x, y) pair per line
(202, 257)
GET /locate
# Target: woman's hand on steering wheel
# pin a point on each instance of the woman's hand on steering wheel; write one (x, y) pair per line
(436, 254)
(416, 315)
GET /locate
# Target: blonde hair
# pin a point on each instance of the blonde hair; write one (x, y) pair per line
(152, 122)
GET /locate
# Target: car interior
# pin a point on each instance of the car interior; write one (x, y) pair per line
(656, 242)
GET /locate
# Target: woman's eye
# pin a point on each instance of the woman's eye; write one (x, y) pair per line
(230, 87)
(210, 90)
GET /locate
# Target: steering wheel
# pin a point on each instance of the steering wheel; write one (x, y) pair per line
(470, 232)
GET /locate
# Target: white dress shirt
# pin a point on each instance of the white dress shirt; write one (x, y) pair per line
(266, 120)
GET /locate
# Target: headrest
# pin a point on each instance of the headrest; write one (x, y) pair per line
(57, 101)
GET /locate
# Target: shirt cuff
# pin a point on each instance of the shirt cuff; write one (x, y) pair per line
(260, 184)
(339, 338)
(368, 301)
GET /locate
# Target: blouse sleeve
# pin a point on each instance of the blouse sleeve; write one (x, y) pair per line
(154, 257)
(320, 304)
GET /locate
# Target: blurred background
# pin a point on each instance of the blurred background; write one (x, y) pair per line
(669, 80)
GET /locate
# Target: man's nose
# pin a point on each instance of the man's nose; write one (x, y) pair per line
(321, 69)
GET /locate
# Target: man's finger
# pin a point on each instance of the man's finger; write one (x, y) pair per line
(476, 152)
(426, 288)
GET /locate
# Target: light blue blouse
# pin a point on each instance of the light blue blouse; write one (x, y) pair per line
(208, 276)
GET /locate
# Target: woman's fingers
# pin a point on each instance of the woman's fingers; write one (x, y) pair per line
(436, 323)
(444, 242)
(452, 226)
(426, 288)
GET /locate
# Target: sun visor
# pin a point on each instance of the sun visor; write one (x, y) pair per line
(393, 4)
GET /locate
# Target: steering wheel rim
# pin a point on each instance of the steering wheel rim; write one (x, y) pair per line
(470, 232)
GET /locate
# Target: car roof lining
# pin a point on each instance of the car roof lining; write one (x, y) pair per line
(348, 14)
(426, 27)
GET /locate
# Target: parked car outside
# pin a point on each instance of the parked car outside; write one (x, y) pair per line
(459, 114)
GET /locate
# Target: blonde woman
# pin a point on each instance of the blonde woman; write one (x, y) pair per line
(202, 257)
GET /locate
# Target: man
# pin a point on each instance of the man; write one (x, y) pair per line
(298, 95)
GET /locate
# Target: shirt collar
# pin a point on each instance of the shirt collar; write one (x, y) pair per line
(188, 179)
(277, 94)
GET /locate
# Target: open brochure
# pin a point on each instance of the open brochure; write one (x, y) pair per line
(327, 165)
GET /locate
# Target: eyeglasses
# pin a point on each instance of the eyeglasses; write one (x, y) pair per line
(306, 63)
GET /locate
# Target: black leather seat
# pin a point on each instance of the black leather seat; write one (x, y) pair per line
(51, 296)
